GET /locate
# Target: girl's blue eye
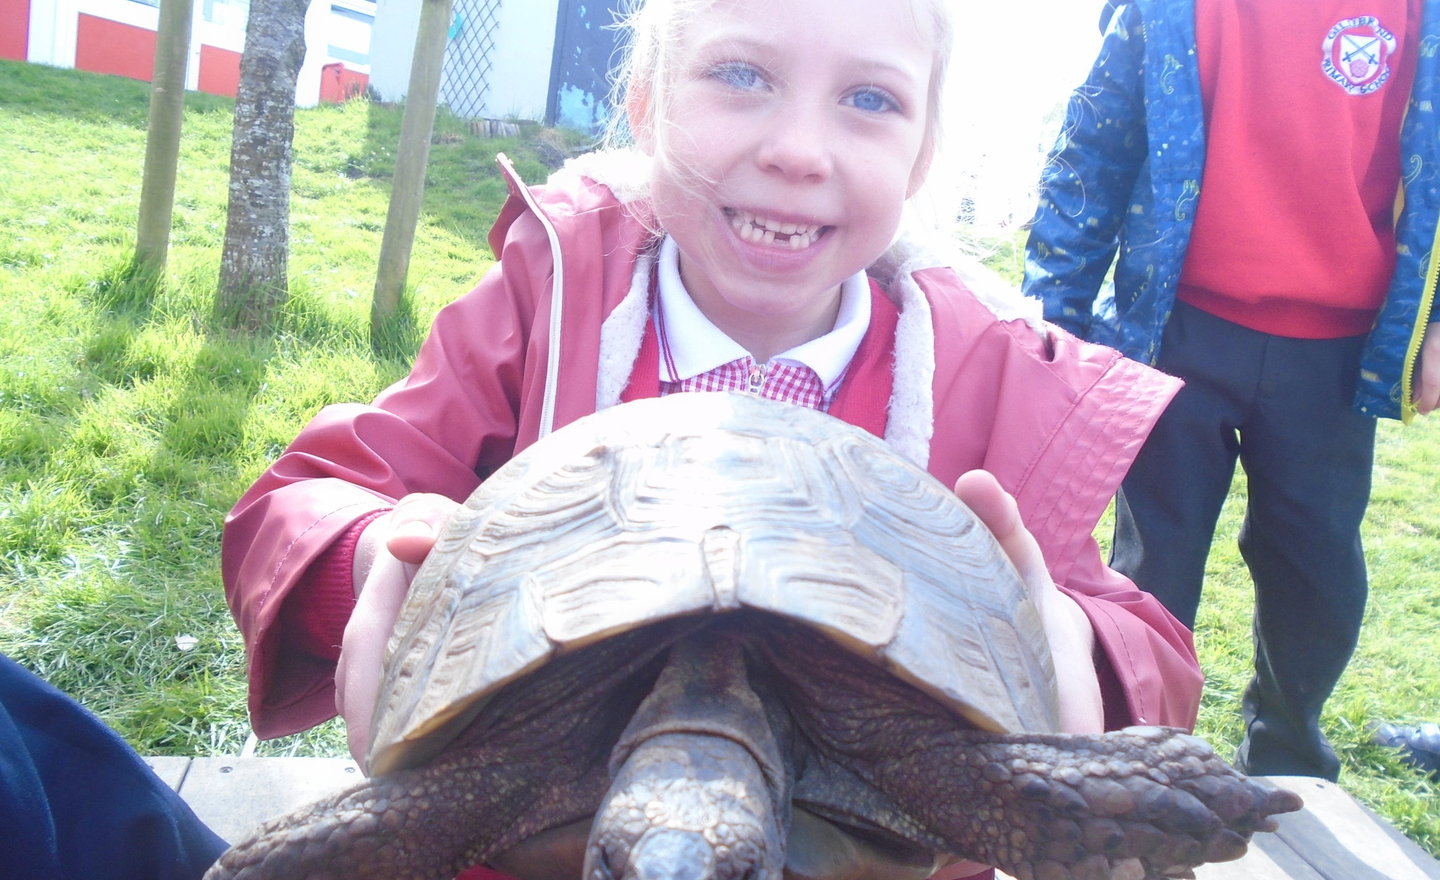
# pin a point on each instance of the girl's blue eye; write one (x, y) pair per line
(738, 75)
(873, 101)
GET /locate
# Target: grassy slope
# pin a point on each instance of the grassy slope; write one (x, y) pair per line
(128, 424)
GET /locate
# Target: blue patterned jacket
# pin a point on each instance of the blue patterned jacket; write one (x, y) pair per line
(1125, 173)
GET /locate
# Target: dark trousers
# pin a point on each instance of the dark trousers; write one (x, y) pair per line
(1282, 407)
(77, 802)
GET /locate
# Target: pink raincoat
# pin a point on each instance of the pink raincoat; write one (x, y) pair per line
(955, 373)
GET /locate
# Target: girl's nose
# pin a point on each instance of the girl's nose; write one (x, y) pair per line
(798, 145)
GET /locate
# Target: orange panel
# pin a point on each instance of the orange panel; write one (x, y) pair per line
(219, 71)
(15, 29)
(104, 46)
(340, 83)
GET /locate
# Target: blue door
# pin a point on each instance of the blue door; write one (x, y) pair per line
(585, 51)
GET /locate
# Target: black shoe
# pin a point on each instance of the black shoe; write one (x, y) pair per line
(1419, 744)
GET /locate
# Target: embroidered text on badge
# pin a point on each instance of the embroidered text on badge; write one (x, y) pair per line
(1357, 54)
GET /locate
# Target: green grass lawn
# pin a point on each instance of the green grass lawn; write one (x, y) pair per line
(129, 424)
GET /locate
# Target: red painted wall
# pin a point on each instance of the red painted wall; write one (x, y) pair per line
(104, 46)
(15, 29)
(219, 71)
(340, 83)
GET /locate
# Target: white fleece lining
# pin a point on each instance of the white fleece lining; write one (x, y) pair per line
(621, 335)
(911, 421)
(625, 172)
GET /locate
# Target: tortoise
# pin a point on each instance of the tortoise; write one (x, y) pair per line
(713, 636)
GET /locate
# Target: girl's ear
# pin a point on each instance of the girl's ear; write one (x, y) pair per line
(637, 112)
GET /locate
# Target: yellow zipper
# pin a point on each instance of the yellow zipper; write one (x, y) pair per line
(1417, 333)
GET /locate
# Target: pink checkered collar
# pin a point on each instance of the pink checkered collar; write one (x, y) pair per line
(692, 345)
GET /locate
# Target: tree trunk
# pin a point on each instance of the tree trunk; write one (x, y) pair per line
(162, 140)
(408, 186)
(253, 282)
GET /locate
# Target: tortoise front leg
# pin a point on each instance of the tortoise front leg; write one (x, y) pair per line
(430, 823)
(1142, 803)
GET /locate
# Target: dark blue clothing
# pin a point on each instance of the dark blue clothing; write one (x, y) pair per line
(1281, 407)
(1119, 195)
(1124, 179)
(77, 802)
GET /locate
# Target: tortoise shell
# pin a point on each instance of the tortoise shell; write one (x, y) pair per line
(657, 643)
(709, 503)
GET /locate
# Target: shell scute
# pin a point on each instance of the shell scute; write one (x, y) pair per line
(707, 503)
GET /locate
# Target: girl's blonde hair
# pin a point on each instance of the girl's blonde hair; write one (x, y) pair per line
(654, 31)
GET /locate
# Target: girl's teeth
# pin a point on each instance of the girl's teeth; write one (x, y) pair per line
(759, 230)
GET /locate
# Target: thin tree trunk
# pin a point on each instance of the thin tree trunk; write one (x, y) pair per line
(253, 281)
(411, 157)
(162, 139)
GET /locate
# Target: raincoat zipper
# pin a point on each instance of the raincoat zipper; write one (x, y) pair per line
(1417, 333)
(557, 298)
(757, 379)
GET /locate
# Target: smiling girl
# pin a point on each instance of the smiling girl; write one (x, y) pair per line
(747, 240)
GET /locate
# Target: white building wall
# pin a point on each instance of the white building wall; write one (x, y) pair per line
(392, 44)
(54, 25)
(54, 33)
(317, 37)
(524, 51)
(227, 32)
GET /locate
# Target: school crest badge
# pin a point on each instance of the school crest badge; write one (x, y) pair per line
(1357, 54)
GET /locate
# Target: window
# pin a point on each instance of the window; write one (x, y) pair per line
(350, 25)
(226, 13)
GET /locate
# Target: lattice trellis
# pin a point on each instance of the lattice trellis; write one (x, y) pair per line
(465, 76)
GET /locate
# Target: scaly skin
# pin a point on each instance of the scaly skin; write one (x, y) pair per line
(710, 755)
(1144, 802)
(701, 790)
(522, 769)
(687, 807)
(424, 824)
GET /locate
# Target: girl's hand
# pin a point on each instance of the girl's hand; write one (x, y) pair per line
(387, 556)
(1072, 639)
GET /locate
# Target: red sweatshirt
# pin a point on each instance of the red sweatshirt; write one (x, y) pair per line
(1294, 231)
